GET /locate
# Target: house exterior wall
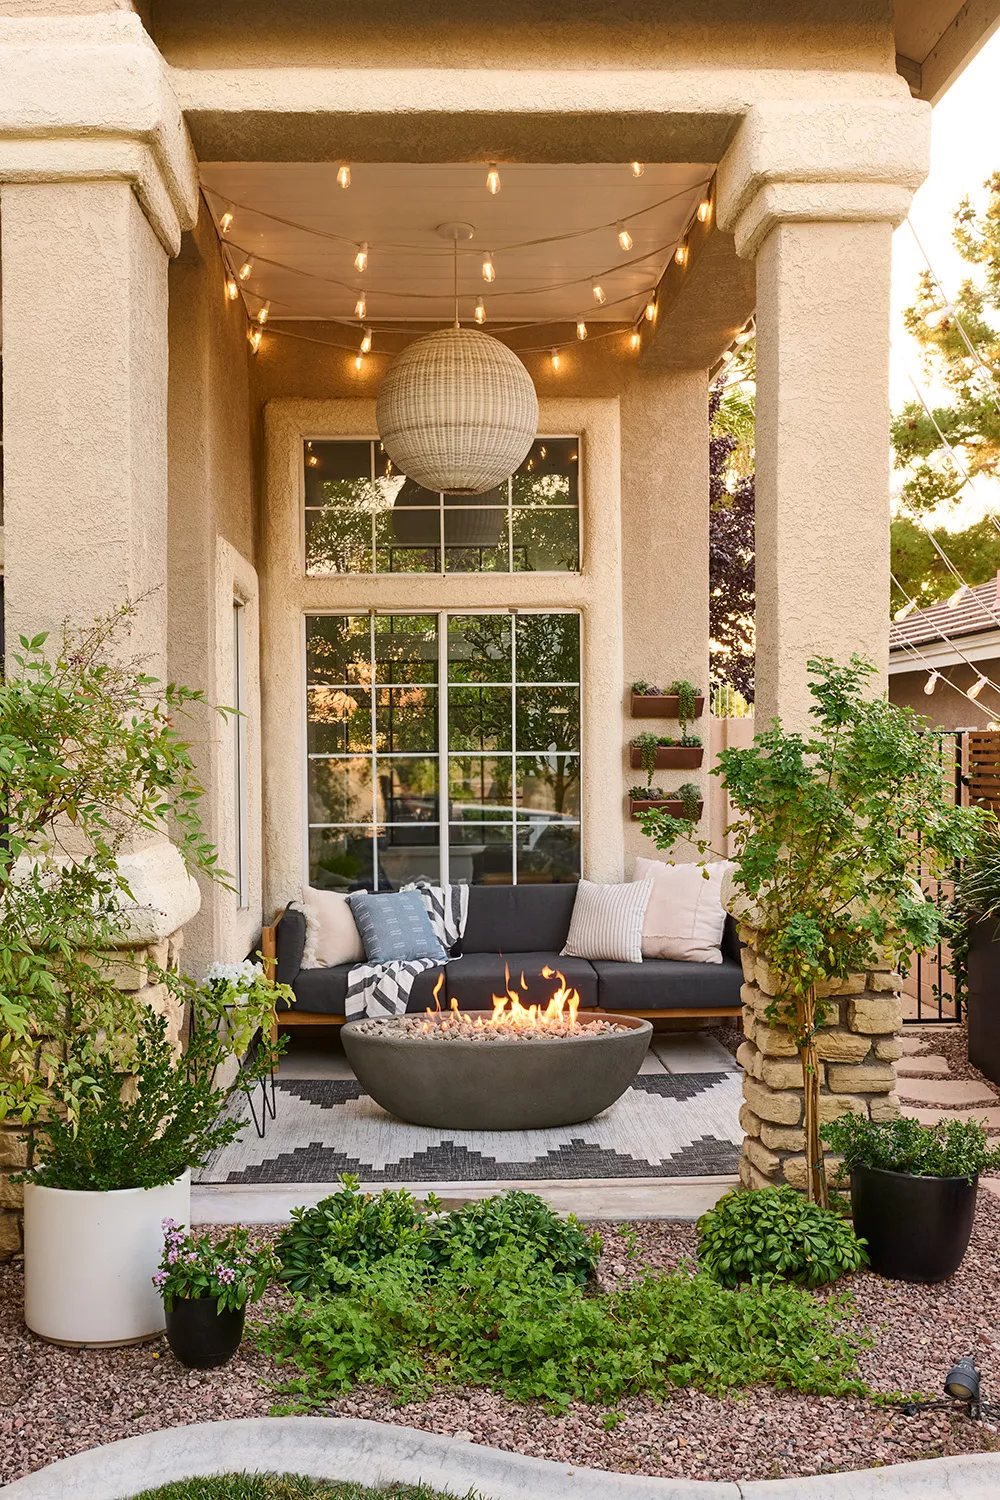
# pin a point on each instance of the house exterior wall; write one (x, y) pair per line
(947, 708)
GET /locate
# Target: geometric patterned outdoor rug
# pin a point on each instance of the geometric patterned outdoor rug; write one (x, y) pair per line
(665, 1125)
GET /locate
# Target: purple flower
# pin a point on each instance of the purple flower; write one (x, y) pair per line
(159, 1278)
(226, 1275)
(168, 1224)
(172, 1256)
(191, 1257)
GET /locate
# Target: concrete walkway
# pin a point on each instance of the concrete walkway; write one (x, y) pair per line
(375, 1453)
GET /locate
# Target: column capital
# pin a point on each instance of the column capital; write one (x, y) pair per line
(88, 98)
(814, 160)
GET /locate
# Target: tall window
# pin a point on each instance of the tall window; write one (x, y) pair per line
(445, 745)
(361, 516)
(242, 875)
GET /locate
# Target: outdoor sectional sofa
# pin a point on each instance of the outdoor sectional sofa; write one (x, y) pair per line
(521, 928)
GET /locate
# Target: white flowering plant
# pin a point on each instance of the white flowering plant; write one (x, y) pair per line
(241, 998)
(227, 1270)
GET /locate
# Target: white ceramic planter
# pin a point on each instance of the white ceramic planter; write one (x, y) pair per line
(89, 1259)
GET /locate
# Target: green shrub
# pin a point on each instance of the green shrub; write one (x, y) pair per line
(775, 1232)
(506, 1323)
(958, 1148)
(521, 1220)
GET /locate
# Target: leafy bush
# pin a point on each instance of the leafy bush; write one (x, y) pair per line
(958, 1148)
(506, 1323)
(775, 1232)
(326, 1244)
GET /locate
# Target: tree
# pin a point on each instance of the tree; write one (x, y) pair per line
(731, 527)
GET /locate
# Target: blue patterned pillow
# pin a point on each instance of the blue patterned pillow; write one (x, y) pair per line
(394, 925)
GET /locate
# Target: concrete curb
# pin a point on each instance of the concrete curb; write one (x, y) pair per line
(375, 1453)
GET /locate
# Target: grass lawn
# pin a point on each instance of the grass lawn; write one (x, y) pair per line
(287, 1487)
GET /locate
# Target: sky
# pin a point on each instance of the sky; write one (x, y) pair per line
(965, 150)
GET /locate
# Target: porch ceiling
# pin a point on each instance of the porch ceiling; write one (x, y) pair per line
(551, 231)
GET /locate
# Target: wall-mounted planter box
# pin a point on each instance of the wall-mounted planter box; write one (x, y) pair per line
(675, 757)
(668, 805)
(661, 706)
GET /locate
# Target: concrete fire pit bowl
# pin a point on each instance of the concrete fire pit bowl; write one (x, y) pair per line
(495, 1082)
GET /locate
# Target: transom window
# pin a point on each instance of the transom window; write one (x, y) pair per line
(443, 744)
(362, 516)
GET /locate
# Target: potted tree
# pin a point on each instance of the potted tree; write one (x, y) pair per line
(913, 1190)
(829, 826)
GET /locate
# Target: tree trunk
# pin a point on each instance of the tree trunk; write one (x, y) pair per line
(816, 1182)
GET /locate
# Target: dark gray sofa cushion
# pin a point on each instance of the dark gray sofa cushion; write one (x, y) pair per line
(730, 944)
(290, 941)
(667, 984)
(474, 979)
(528, 918)
(324, 991)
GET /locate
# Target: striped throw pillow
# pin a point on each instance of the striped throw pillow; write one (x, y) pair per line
(607, 921)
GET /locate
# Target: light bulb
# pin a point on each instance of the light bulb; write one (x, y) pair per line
(255, 335)
(624, 238)
(263, 313)
(681, 253)
(489, 271)
(361, 259)
(704, 211)
(638, 167)
(556, 361)
(480, 311)
(728, 357)
(232, 287)
(904, 610)
(344, 174)
(361, 306)
(245, 268)
(636, 338)
(581, 329)
(493, 180)
(977, 687)
(938, 314)
(744, 337)
(599, 294)
(931, 683)
(226, 223)
(650, 309)
(366, 340)
(955, 599)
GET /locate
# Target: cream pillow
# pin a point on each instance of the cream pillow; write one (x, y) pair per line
(332, 935)
(684, 916)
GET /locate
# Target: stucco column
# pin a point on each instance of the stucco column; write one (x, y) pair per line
(664, 457)
(812, 192)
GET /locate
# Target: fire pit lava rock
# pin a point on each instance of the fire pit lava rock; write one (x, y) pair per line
(465, 1074)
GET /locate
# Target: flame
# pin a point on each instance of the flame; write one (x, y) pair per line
(509, 1011)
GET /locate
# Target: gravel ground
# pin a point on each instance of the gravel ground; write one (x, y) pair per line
(54, 1402)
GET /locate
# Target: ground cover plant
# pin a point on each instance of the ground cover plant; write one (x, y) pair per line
(748, 1236)
(287, 1487)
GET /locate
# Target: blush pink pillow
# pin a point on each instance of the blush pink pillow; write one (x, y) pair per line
(684, 916)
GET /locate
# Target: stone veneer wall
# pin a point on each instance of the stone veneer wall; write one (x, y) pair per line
(858, 1048)
(131, 974)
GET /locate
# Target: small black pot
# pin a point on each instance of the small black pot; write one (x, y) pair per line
(200, 1336)
(917, 1228)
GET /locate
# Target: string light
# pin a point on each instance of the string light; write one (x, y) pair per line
(600, 296)
(728, 357)
(635, 338)
(312, 459)
(744, 337)
(624, 238)
(359, 360)
(931, 683)
(255, 335)
(650, 309)
(904, 611)
(976, 688)
(361, 259)
(480, 311)
(232, 287)
(245, 268)
(638, 167)
(937, 315)
(681, 253)
(955, 599)
(361, 306)
(493, 180)
(344, 174)
(704, 211)
(581, 329)
(556, 361)
(489, 271)
(263, 313)
(226, 222)
(366, 340)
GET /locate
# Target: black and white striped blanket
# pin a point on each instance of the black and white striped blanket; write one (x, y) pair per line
(384, 989)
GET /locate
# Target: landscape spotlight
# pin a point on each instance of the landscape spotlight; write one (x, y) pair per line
(962, 1381)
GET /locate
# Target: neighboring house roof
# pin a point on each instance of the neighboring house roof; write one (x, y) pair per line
(976, 614)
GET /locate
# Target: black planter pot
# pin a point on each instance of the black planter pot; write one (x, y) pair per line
(200, 1336)
(983, 1002)
(917, 1228)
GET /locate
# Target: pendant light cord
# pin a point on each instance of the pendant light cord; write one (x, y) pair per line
(455, 259)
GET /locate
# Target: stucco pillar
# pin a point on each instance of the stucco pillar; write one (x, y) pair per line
(664, 458)
(812, 192)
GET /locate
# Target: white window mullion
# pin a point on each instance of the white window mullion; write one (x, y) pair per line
(444, 803)
(513, 745)
(374, 758)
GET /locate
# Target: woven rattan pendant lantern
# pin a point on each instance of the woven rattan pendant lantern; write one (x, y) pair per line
(457, 410)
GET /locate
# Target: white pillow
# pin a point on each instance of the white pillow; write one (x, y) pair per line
(332, 935)
(684, 915)
(607, 921)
